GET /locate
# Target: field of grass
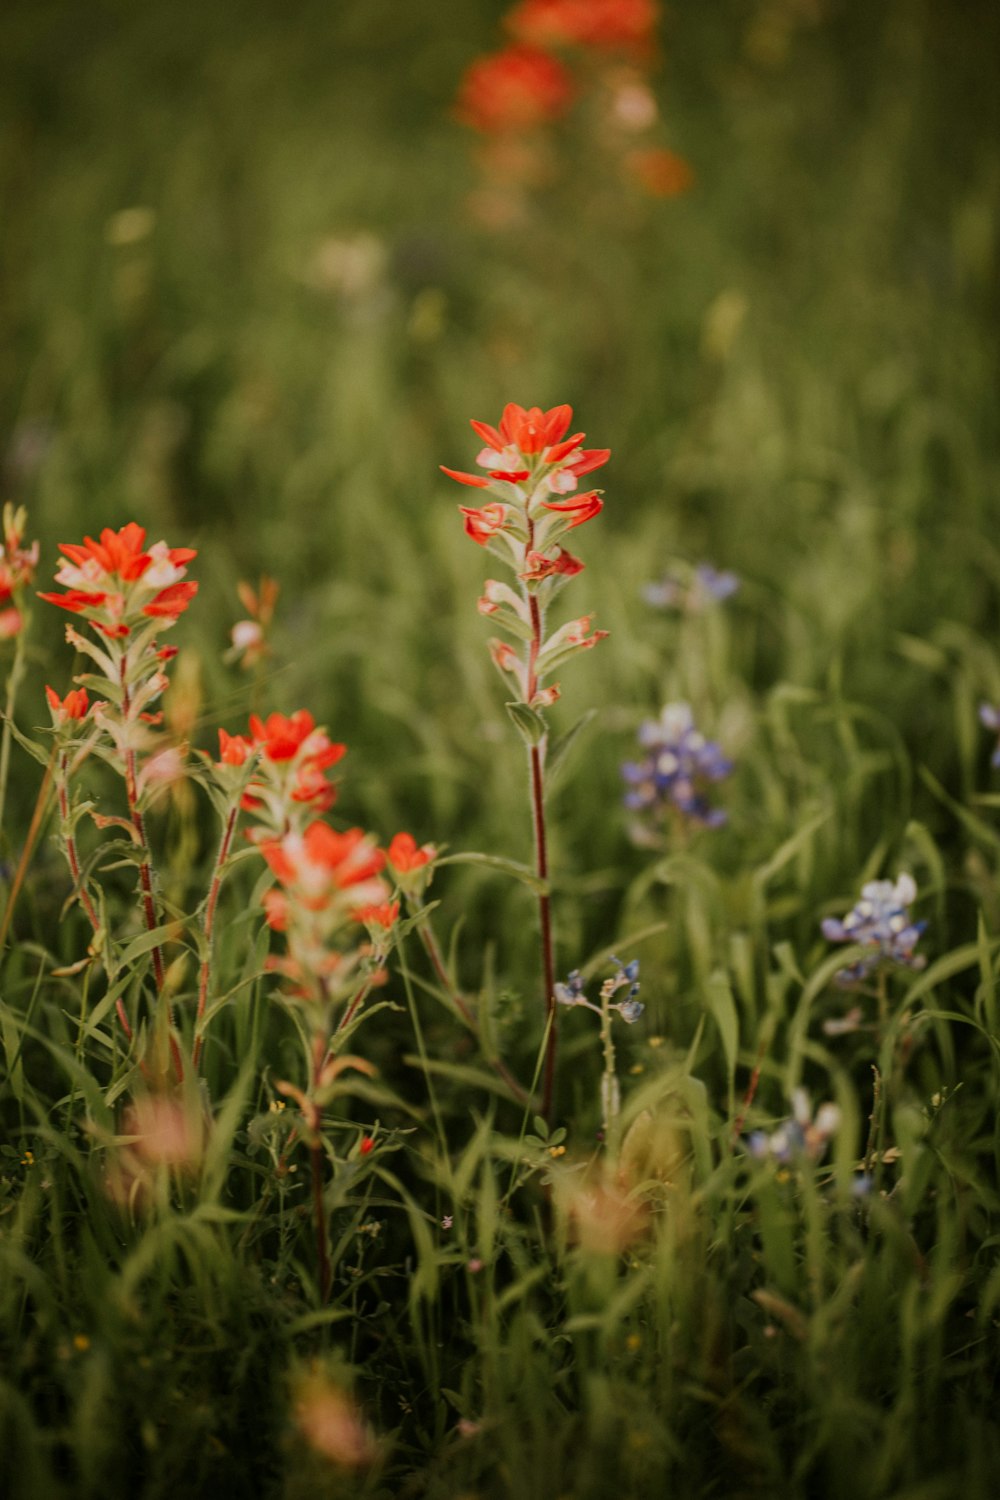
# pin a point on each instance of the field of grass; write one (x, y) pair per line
(254, 281)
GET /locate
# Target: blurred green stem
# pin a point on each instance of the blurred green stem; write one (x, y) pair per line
(13, 683)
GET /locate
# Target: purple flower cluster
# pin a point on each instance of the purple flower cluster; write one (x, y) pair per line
(630, 1009)
(678, 763)
(881, 922)
(705, 586)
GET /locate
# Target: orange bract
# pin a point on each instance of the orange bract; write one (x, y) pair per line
(516, 89)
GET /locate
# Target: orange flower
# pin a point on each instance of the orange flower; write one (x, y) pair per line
(404, 855)
(321, 858)
(282, 738)
(75, 705)
(233, 749)
(540, 566)
(516, 89)
(661, 173)
(377, 914)
(482, 524)
(527, 440)
(581, 508)
(603, 24)
(121, 580)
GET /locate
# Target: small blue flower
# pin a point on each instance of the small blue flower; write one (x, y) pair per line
(990, 717)
(677, 764)
(630, 1010)
(881, 922)
(571, 993)
(800, 1136)
(691, 591)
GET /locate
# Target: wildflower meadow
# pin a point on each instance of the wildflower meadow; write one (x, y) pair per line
(500, 685)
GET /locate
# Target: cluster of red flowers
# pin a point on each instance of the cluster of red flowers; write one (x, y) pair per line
(17, 569)
(117, 585)
(560, 52)
(326, 879)
(533, 470)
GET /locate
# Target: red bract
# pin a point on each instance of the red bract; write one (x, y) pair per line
(482, 524)
(281, 738)
(581, 508)
(321, 859)
(75, 705)
(541, 567)
(118, 580)
(516, 89)
(233, 749)
(383, 914)
(602, 24)
(405, 855)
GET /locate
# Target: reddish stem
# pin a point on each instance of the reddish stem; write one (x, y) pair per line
(542, 864)
(211, 904)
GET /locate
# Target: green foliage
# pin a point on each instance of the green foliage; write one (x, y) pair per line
(795, 367)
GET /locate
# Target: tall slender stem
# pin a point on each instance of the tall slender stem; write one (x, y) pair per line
(535, 755)
(30, 839)
(146, 868)
(316, 1161)
(139, 824)
(212, 902)
(13, 683)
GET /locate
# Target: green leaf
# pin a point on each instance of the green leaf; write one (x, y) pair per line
(560, 750)
(35, 751)
(497, 862)
(530, 725)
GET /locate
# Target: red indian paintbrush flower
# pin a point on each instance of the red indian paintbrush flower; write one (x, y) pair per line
(609, 25)
(75, 705)
(117, 582)
(529, 458)
(516, 89)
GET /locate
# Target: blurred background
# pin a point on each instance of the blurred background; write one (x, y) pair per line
(255, 276)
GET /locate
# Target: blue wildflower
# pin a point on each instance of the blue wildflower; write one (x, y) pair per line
(677, 764)
(800, 1136)
(881, 922)
(703, 587)
(990, 716)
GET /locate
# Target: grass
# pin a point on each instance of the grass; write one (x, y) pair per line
(794, 367)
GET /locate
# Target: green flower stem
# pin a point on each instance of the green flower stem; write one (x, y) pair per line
(213, 900)
(13, 683)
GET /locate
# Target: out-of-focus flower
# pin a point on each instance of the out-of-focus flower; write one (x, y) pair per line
(17, 569)
(329, 1420)
(249, 637)
(800, 1137)
(989, 715)
(603, 1218)
(517, 89)
(678, 763)
(705, 586)
(320, 862)
(881, 922)
(606, 25)
(659, 172)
